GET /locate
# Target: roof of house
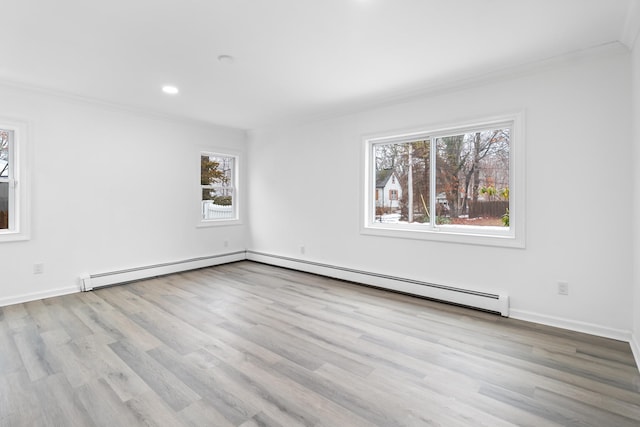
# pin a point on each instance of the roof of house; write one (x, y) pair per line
(383, 177)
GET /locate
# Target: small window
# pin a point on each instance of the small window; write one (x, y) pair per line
(218, 180)
(6, 139)
(13, 182)
(461, 184)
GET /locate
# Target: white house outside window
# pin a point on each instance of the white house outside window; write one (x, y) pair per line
(461, 184)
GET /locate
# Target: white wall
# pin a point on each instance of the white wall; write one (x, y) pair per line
(306, 178)
(635, 72)
(110, 190)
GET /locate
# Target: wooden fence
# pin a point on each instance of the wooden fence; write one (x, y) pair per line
(488, 209)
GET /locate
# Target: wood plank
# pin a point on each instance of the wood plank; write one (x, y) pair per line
(271, 404)
(200, 412)
(151, 410)
(59, 404)
(107, 367)
(166, 385)
(209, 387)
(105, 407)
(18, 401)
(10, 360)
(33, 352)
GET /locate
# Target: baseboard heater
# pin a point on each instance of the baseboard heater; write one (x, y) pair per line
(89, 282)
(466, 297)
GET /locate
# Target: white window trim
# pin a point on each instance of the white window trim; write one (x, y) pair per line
(19, 183)
(205, 223)
(489, 236)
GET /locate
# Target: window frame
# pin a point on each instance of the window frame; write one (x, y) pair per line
(18, 180)
(514, 236)
(235, 179)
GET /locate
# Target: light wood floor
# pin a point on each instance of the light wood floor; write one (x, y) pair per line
(252, 345)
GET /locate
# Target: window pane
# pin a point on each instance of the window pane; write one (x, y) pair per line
(216, 170)
(219, 205)
(4, 205)
(4, 153)
(472, 186)
(402, 182)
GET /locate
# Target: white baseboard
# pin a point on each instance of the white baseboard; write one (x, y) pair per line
(129, 275)
(452, 294)
(572, 325)
(91, 281)
(34, 296)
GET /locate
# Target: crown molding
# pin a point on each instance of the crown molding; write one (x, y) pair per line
(461, 82)
(112, 106)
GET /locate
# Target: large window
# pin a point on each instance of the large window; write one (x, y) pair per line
(457, 184)
(218, 180)
(13, 182)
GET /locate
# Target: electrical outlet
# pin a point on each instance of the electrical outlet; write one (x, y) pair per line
(563, 288)
(225, 243)
(301, 250)
(38, 268)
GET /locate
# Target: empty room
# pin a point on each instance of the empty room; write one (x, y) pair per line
(320, 213)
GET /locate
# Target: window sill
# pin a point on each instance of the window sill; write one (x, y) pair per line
(483, 236)
(218, 223)
(13, 236)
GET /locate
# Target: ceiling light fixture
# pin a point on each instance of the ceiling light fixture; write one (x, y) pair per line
(226, 59)
(171, 90)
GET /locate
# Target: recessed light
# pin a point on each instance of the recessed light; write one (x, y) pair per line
(171, 90)
(226, 59)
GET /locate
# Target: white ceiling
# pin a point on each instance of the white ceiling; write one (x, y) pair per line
(293, 58)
